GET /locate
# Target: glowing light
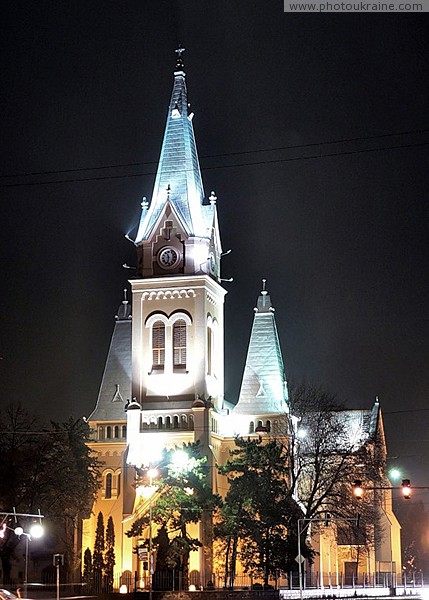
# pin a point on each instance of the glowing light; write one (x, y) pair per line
(395, 474)
(192, 588)
(18, 531)
(146, 491)
(123, 589)
(36, 530)
(180, 459)
(301, 434)
(152, 473)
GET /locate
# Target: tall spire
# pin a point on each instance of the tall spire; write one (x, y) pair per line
(178, 179)
(263, 388)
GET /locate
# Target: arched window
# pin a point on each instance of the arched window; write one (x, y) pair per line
(183, 422)
(168, 422)
(175, 422)
(116, 431)
(209, 351)
(118, 479)
(191, 422)
(158, 345)
(108, 432)
(179, 344)
(251, 427)
(124, 431)
(108, 486)
(160, 423)
(268, 426)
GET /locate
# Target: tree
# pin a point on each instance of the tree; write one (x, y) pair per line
(183, 497)
(413, 517)
(47, 467)
(87, 567)
(258, 510)
(98, 565)
(109, 557)
(327, 452)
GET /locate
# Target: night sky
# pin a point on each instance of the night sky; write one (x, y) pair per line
(312, 130)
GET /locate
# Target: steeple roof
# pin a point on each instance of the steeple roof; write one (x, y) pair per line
(263, 388)
(178, 179)
(115, 387)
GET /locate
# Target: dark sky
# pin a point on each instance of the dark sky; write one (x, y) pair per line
(312, 129)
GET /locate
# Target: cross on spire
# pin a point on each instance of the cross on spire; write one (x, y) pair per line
(179, 63)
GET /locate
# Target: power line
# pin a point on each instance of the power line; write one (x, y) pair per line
(226, 154)
(233, 165)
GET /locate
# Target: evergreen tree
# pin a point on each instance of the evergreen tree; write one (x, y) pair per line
(87, 567)
(97, 557)
(258, 510)
(109, 557)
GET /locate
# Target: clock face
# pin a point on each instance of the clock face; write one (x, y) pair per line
(168, 257)
(212, 262)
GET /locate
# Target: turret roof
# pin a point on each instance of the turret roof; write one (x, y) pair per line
(115, 387)
(263, 389)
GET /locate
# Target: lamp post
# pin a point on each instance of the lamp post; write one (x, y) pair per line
(36, 531)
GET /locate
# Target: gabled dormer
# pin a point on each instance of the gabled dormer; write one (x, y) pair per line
(178, 204)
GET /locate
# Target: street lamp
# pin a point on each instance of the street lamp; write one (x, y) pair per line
(36, 531)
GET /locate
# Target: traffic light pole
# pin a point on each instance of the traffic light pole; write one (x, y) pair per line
(359, 489)
(303, 524)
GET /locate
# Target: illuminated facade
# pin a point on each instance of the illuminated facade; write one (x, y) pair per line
(163, 383)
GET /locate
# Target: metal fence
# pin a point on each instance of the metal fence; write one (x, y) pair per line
(174, 581)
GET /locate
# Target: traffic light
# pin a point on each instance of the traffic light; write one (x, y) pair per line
(58, 560)
(406, 489)
(358, 489)
(327, 519)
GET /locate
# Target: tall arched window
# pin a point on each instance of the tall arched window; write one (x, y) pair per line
(108, 488)
(212, 358)
(158, 345)
(179, 344)
(209, 351)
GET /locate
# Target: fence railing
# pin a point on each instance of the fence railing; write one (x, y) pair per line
(174, 581)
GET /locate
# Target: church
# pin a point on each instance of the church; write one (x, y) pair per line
(163, 382)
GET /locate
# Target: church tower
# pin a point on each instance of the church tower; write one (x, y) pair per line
(177, 378)
(177, 299)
